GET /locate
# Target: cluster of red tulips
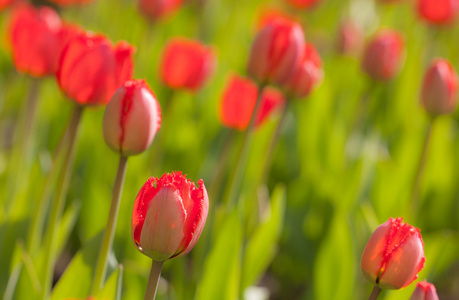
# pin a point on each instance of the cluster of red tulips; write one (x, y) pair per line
(170, 212)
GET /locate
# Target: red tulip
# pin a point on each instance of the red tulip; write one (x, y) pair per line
(439, 90)
(303, 3)
(276, 51)
(5, 3)
(155, 9)
(169, 215)
(132, 118)
(270, 14)
(394, 255)
(383, 55)
(91, 68)
(239, 99)
(38, 37)
(308, 76)
(438, 11)
(186, 64)
(424, 291)
(349, 39)
(70, 2)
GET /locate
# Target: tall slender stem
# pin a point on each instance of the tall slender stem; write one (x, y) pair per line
(107, 241)
(414, 199)
(153, 280)
(375, 293)
(243, 156)
(272, 144)
(57, 206)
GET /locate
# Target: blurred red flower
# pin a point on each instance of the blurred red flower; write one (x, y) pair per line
(309, 74)
(239, 99)
(91, 68)
(5, 3)
(439, 89)
(383, 55)
(303, 3)
(37, 37)
(424, 291)
(438, 11)
(155, 9)
(186, 64)
(349, 38)
(276, 51)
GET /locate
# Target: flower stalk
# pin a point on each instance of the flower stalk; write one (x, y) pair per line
(153, 280)
(375, 293)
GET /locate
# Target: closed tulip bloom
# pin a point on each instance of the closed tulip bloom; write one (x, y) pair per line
(276, 51)
(239, 99)
(169, 216)
(383, 55)
(37, 37)
(155, 9)
(91, 68)
(309, 74)
(132, 118)
(439, 89)
(186, 64)
(394, 255)
(303, 3)
(349, 38)
(438, 11)
(424, 291)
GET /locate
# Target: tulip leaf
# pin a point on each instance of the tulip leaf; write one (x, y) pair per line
(77, 278)
(221, 275)
(335, 263)
(261, 247)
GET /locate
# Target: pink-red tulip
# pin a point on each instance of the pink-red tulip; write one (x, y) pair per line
(37, 37)
(91, 68)
(239, 99)
(132, 118)
(394, 255)
(169, 215)
(303, 3)
(186, 64)
(424, 291)
(349, 38)
(439, 90)
(308, 76)
(70, 2)
(383, 55)
(438, 11)
(276, 51)
(155, 9)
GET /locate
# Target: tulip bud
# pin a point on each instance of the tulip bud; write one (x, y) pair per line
(394, 255)
(308, 76)
(424, 291)
(349, 38)
(155, 9)
(276, 51)
(169, 216)
(186, 64)
(132, 118)
(91, 68)
(37, 37)
(438, 11)
(303, 4)
(383, 55)
(239, 99)
(439, 90)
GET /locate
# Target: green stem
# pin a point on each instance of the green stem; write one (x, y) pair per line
(414, 203)
(35, 232)
(272, 144)
(57, 206)
(107, 241)
(153, 280)
(243, 155)
(375, 293)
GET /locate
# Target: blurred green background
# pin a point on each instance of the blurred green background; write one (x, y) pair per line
(329, 187)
